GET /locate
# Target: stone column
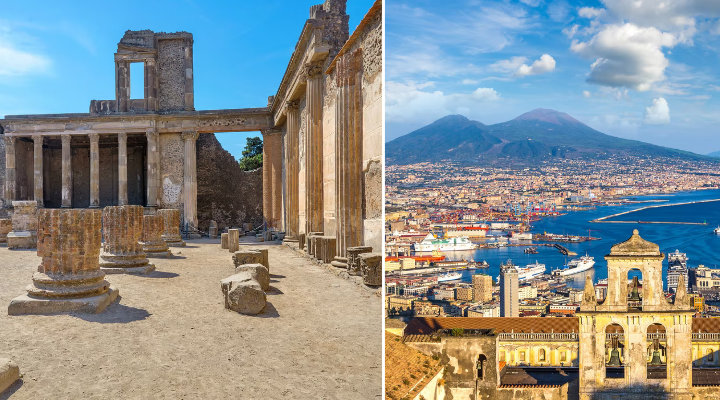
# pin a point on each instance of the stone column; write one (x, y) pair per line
(38, 169)
(272, 177)
(348, 154)
(152, 242)
(150, 85)
(233, 240)
(66, 172)
(69, 244)
(122, 169)
(266, 183)
(171, 227)
(291, 151)
(9, 170)
(122, 229)
(153, 167)
(122, 85)
(313, 148)
(190, 185)
(94, 170)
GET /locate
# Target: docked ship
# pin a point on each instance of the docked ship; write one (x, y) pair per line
(677, 258)
(430, 243)
(575, 266)
(677, 267)
(717, 230)
(450, 276)
(530, 271)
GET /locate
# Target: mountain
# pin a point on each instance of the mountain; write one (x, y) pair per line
(540, 134)
(715, 154)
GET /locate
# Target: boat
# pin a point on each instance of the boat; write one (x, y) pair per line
(530, 271)
(450, 276)
(677, 258)
(430, 243)
(575, 266)
(717, 230)
(482, 264)
(531, 250)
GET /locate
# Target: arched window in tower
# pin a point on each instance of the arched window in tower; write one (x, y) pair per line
(656, 352)
(634, 290)
(480, 366)
(541, 355)
(614, 351)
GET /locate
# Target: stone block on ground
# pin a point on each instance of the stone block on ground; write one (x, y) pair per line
(371, 268)
(353, 256)
(241, 257)
(242, 295)
(233, 240)
(9, 373)
(256, 272)
(24, 225)
(224, 240)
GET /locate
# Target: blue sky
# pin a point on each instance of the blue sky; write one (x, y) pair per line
(642, 69)
(55, 56)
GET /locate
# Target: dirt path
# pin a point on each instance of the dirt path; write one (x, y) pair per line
(170, 336)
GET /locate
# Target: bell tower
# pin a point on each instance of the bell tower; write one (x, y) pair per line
(635, 341)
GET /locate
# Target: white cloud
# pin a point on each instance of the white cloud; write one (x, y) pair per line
(571, 31)
(508, 66)
(586, 94)
(590, 12)
(531, 3)
(412, 101)
(469, 82)
(15, 62)
(626, 56)
(658, 113)
(542, 65)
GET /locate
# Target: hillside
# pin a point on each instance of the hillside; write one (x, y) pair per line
(537, 135)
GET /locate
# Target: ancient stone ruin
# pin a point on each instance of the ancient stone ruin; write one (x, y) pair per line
(233, 241)
(24, 226)
(152, 242)
(171, 227)
(244, 291)
(69, 276)
(5, 228)
(122, 251)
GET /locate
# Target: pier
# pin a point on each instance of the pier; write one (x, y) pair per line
(564, 250)
(604, 219)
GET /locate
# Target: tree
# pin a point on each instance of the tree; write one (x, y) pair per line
(252, 154)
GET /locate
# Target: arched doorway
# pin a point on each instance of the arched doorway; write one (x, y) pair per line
(656, 352)
(481, 366)
(614, 351)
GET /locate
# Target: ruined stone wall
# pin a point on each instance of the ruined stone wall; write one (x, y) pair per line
(172, 155)
(171, 74)
(226, 193)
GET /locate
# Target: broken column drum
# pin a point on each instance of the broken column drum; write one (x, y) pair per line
(213, 230)
(371, 268)
(24, 223)
(152, 242)
(69, 276)
(171, 227)
(353, 256)
(224, 240)
(233, 240)
(122, 231)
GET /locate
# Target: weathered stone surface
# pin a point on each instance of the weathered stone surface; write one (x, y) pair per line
(353, 256)
(152, 242)
(213, 230)
(69, 277)
(9, 373)
(122, 231)
(171, 227)
(224, 240)
(256, 272)
(233, 240)
(251, 256)
(371, 268)
(325, 248)
(5, 228)
(243, 295)
(24, 225)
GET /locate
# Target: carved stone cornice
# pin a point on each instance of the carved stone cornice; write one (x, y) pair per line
(152, 134)
(94, 137)
(271, 132)
(189, 135)
(292, 105)
(312, 70)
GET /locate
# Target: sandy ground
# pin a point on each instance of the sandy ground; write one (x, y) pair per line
(169, 336)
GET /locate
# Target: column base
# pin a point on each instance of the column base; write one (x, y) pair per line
(339, 262)
(174, 241)
(27, 305)
(130, 270)
(134, 264)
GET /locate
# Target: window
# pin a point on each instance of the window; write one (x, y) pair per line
(563, 356)
(522, 356)
(710, 355)
(541, 355)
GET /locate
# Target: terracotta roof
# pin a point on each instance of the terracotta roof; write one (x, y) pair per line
(635, 246)
(706, 325)
(426, 326)
(407, 371)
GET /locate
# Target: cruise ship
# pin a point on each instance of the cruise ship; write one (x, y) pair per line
(677, 258)
(450, 276)
(430, 243)
(677, 266)
(575, 266)
(530, 271)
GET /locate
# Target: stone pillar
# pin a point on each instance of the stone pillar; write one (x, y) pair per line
(24, 225)
(122, 252)
(94, 170)
(224, 240)
(266, 183)
(171, 227)
(152, 242)
(313, 149)
(292, 205)
(69, 276)
(38, 169)
(66, 172)
(233, 240)
(9, 170)
(122, 85)
(122, 169)
(348, 155)
(151, 86)
(190, 185)
(153, 167)
(272, 177)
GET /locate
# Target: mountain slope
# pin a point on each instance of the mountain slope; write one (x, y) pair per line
(537, 135)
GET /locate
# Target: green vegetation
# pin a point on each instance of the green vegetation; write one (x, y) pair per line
(252, 154)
